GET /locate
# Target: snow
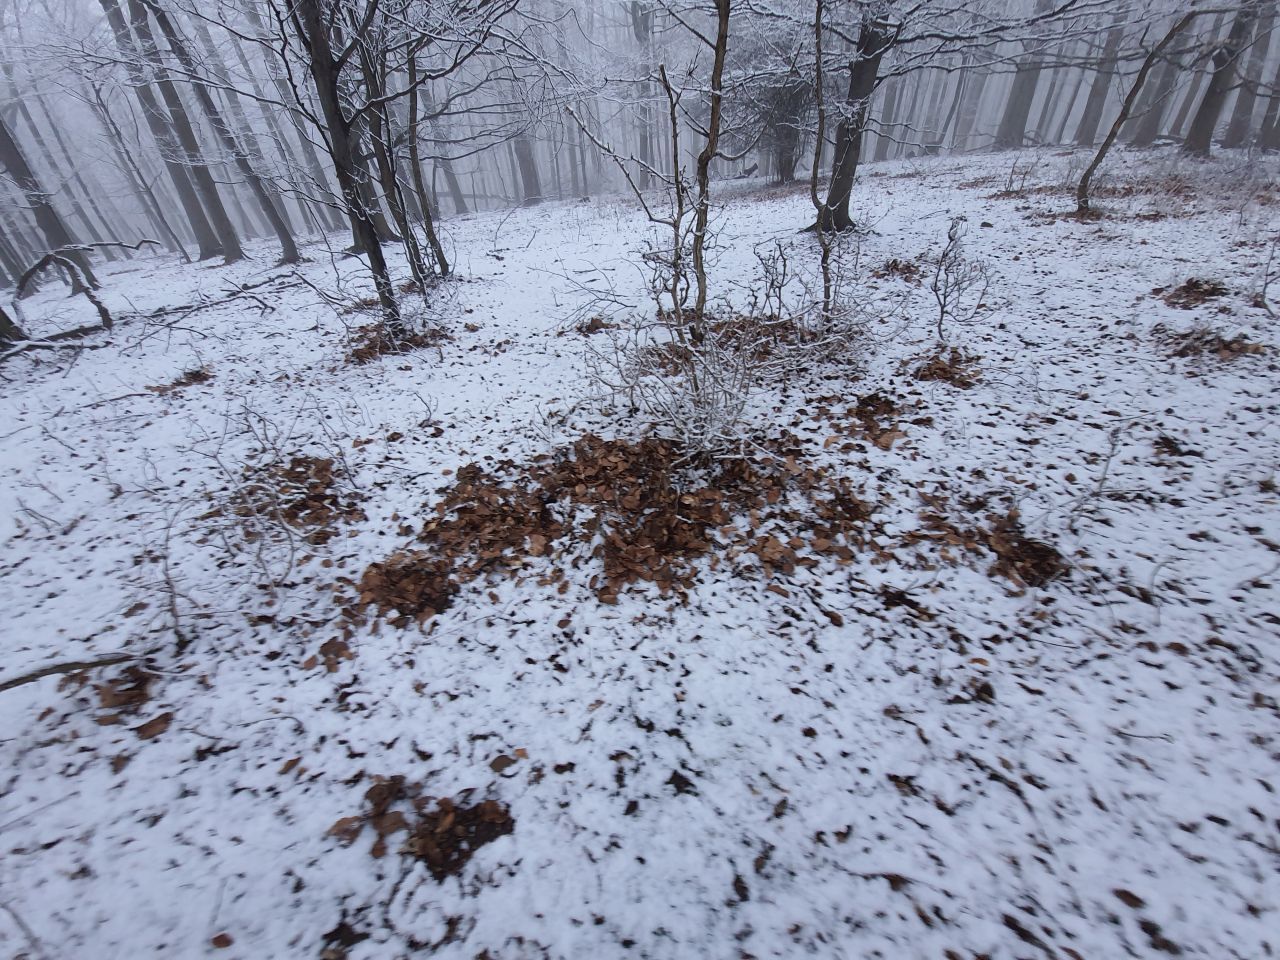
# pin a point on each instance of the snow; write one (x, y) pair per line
(850, 796)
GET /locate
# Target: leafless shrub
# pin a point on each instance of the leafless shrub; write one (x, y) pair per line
(959, 283)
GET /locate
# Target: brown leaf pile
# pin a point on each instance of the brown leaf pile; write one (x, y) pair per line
(414, 584)
(374, 340)
(953, 366)
(594, 325)
(1191, 293)
(1019, 558)
(445, 838)
(188, 379)
(907, 270)
(1023, 560)
(128, 691)
(646, 517)
(301, 494)
(1205, 342)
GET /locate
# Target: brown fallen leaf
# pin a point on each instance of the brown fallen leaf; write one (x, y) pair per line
(154, 727)
(1129, 898)
(347, 829)
(222, 941)
(886, 439)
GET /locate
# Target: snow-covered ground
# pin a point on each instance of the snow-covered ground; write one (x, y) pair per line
(904, 752)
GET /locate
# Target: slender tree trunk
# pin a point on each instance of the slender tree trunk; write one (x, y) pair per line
(286, 95)
(324, 69)
(526, 163)
(1241, 125)
(47, 218)
(159, 124)
(261, 192)
(963, 76)
(1049, 106)
(1269, 132)
(874, 39)
(455, 187)
(1225, 62)
(1087, 131)
(968, 113)
(702, 204)
(1150, 117)
(415, 164)
(381, 136)
(154, 209)
(884, 129)
(187, 141)
(240, 122)
(1082, 191)
(642, 31)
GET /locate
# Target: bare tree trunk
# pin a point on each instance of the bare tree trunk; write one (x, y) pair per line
(1087, 131)
(884, 129)
(455, 187)
(324, 68)
(10, 332)
(146, 195)
(1225, 60)
(1082, 190)
(1149, 123)
(47, 218)
(1269, 132)
(968, 113)
(874, 39)
(162, 132)
(702, 204)
(288, 248)
(381, 137)
(1012, 132)
(642, 31)
(240, 121)
(530, 185)
(286, 95)
(187, 141)
(415, 164)
(1241, 125)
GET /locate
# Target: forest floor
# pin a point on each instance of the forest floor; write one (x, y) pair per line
(438, 654)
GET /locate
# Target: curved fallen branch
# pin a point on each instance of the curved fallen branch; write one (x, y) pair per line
(74, 666)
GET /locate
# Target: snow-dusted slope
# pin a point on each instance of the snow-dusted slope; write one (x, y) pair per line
(907, 754)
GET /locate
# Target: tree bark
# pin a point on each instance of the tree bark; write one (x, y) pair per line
(47, 218)
(874, 39)
(702, 204)
(526, 163)
(1269, 132)
(1082, 190)
(888, 116)
(324, 68)
(187, 141)
(146, 195)
(1087, 131)
(1225, 60)
(415, 164)
(158, 122)
(1241, 125)
(1149, 123)
(288, 247)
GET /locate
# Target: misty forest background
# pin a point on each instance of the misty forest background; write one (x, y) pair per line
(202, 127)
